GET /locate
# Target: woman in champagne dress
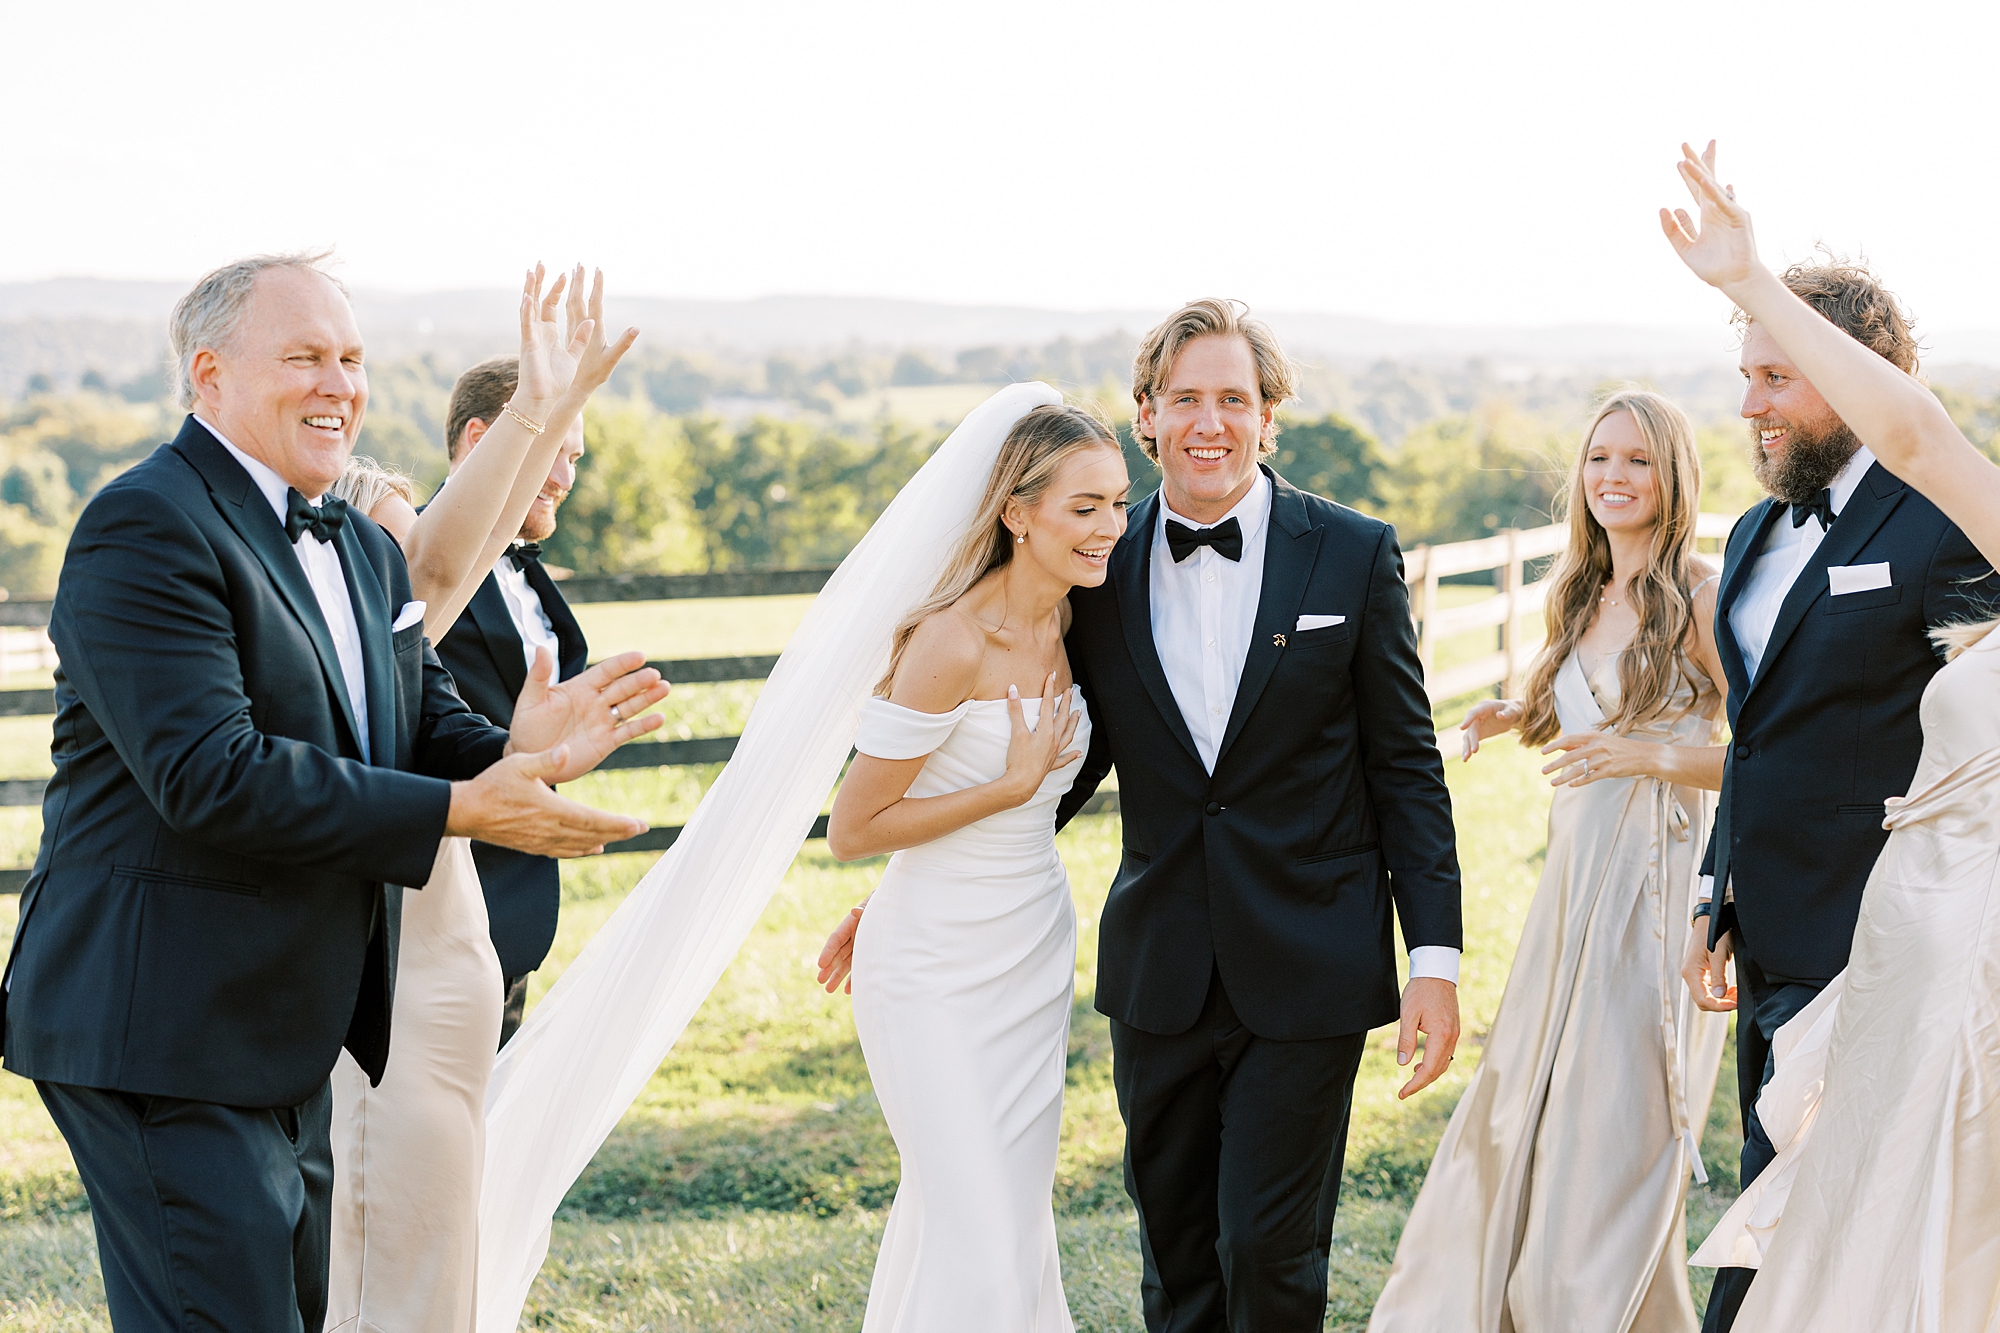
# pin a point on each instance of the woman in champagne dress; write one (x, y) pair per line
(1881, 1211)
(964, 960)
(1557, 1196)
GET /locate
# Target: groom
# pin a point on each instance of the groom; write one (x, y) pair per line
(1252, 670)
(254, 746)
(1829, 591)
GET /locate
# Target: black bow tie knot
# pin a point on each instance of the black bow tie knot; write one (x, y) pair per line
(524, 554)
(324, 520)
(1226, 537)
(1819, 507)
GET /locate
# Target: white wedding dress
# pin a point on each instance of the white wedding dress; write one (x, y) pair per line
(1881, 1211)
(561, 1085)
(964, 964)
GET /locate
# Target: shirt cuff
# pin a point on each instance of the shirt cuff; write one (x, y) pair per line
(1706, 893)
(1434, 960)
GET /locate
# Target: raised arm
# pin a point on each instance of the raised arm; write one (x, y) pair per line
(451, 545)
(1891, 412)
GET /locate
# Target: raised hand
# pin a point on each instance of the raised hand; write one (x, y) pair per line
(1722, 249)
(598, 357)
(587, 716)
(549, 355)
(1035, 752)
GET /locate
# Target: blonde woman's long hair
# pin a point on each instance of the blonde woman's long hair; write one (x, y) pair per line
(1040, 442)
(1662, 593)
(365, 483)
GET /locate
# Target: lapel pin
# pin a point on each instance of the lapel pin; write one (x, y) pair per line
(1278, 640)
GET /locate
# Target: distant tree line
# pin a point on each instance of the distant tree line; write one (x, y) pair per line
(676, 488)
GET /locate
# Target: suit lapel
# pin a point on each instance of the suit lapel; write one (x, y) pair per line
(1867, 509)
(1291, 546)
(1741, 559)
(243, 507)
(1132, 584)
(378, 666)
(488, 610)
(570, 646)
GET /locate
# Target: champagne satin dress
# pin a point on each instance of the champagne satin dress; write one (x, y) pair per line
(408, 1153)
(1557, 1199)
(1881, 1212)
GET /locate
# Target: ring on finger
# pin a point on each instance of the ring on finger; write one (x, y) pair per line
(616, 716)
(1586, 763)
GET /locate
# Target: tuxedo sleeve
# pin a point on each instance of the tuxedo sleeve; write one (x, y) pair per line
(1401, 766)
(1960, 585)
(452, 741)
(1097, 757)
(144, 627)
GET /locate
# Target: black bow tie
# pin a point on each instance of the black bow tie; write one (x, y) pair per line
(1819, 507)
(524, 554)
(324, 521)
(1226, 537)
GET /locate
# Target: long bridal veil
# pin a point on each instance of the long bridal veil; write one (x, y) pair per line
(560, 1086)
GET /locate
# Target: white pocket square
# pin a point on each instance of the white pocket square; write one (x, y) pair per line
(411, 613)
(1317, 622)
(1857, 578)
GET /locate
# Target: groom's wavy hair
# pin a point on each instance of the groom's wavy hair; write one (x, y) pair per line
(1210, 317)
(1035, 449)
(209, 314)
(1849, 296)
(1656, 660)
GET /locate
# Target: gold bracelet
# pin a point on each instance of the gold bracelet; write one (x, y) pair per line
(534, 427)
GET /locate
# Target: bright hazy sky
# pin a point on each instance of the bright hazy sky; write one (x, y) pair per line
(1448, 162)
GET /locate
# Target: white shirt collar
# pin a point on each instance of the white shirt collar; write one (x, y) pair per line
(276, 489)
(1250, 512)
(1849, 480)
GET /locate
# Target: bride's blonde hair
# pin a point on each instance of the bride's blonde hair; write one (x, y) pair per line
(1040, 442)
(1955, 638)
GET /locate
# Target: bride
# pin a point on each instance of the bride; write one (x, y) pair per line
(961, 921)
(963, 964)
(1881, 1208)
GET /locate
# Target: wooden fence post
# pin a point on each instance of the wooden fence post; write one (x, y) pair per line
(1512, 579)
(1426, 612)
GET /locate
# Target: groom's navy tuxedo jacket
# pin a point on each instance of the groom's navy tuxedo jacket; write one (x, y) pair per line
(484, 654)
(1828, 729)
(212, 912)
(1327, 803)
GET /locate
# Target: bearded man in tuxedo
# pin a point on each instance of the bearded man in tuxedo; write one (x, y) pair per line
(254, 746)
(517, 610)
(1830, 589)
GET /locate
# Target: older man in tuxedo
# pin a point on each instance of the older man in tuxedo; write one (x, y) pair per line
(517, 611)
(254, 746)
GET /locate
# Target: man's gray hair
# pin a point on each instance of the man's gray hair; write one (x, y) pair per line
(208, 316)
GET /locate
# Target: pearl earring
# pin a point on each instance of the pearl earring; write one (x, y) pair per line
(1020, 537)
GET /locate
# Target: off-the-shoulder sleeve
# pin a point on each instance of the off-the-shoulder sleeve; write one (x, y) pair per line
(891, 731)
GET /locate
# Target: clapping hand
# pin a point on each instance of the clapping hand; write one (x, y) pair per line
(1722, 250)
(589, 715)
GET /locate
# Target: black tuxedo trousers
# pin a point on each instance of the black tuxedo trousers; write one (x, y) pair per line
(1247, 942)
(215, 906)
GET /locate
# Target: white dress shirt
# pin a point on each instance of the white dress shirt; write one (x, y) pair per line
(524, 608)
(1787, 551)
(321, 563)
(1204, 611)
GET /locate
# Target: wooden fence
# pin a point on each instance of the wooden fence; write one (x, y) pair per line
(1511, 609)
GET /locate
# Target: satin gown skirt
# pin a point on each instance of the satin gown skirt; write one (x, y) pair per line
(408, 1153)
(1881, 1212)
(964, 967)
(1557, 1199)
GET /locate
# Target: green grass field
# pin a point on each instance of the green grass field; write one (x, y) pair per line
(746, 1188)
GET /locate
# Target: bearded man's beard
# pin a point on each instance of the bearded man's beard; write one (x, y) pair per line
(539, 526)
(1811, 460)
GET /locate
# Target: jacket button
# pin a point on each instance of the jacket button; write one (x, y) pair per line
(1213, 808)
(1742, 752)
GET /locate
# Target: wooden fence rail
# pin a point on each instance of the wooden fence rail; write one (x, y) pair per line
(1514, 604)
